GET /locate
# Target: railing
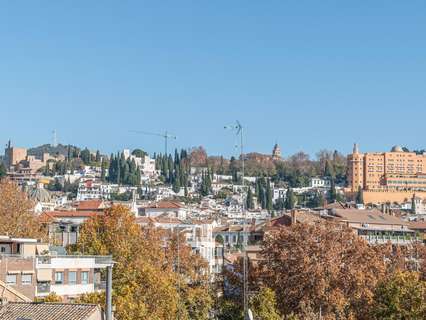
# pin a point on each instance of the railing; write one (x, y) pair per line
(381, 239)
(100, 261)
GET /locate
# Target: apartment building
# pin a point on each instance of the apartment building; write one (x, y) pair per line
(64, 226)
(375, 227)
(393, 170)
(29, 267)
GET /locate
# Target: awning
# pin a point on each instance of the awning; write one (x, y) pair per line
(13, 272)
(44, 275)
(27, 271)
(42, 248)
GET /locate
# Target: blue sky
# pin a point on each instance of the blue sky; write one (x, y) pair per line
(307, 74)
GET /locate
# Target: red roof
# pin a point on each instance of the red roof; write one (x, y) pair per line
(90, 205)
(165, 205)
(47, 216)
(165, 220)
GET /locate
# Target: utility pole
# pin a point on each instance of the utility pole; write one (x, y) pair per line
(108, 313)
(240, 131)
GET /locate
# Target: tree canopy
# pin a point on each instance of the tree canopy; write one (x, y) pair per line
(321, 267)
(17, 217)
(146, 283)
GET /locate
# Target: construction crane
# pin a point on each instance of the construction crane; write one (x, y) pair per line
(166, 136)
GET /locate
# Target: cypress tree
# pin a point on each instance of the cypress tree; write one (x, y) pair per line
(290, 199)
(332, 194)
(268, 196)
(359, 197)
(249, 201)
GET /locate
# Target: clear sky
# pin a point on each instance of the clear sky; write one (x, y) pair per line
(306, 74)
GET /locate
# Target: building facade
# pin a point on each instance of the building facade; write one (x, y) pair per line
(386, 171)
(29, 267)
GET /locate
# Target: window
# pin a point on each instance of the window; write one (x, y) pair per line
(27, 279)
(84, 277)
(72, 277)
(59, 277)
(11, 279)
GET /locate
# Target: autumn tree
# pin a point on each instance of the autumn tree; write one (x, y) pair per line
(146, 284)
(51, 297)
(401, 296)
(322, 267)
(17, 217)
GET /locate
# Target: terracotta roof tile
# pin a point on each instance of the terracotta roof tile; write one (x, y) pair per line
(91, 205)
(71, 214)
(165, 205)
(47, 311)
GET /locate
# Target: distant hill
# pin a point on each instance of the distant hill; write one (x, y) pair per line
(59, 149)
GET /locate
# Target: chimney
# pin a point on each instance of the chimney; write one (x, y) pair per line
(293, 216)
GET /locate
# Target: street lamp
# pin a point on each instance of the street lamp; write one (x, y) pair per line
(238, 128)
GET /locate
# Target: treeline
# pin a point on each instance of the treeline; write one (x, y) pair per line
(122, 170)
(175, 170)
(294, 171)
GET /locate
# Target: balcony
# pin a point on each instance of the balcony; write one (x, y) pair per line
(383, 239)
(99, 261)
(43, 287)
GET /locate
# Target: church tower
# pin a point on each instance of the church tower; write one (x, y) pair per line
(276, 152)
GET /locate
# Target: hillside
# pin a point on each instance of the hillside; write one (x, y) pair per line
(59, 149)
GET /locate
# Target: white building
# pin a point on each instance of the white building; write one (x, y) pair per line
(278, 193)
(163, 208)
(317, 182)
(145, 164)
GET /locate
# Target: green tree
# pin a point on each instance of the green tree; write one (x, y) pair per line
(3, 170)
(85, 156)
(290, 199)
(332, 193)
(400, 297)
(329, 170)
(229, 310)
(268, 195)
(264, 305)
(317, 200)
(139, 153)
(103, 170)
(249, 200)
(359, 196)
